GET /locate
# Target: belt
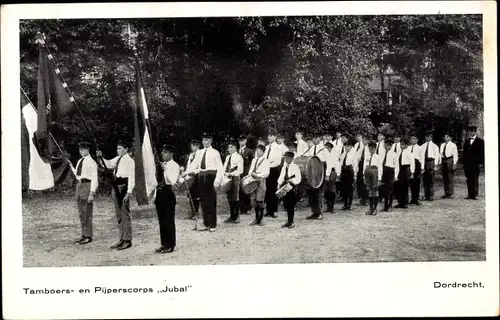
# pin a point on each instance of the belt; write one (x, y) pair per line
(347, 167)
(405, 166)
(372, 167)
(208, 172)
(447, 158)
(119, 181)
(429, 159)
(84, 180)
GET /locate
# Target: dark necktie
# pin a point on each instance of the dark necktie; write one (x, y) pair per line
(371, 157)
(257, 164)
(444, 150)
(191, 158)
(79, 167)
(378, 147)
(286, 172)
(396, 148)
(269, 151)
(385, 159)
(117, 164)
(314, 150)
(343, 149)
(412, 148)
(427, 151)
(345, 161)
(401, 159)
(228, 165)
(359, 145)
(204, 160)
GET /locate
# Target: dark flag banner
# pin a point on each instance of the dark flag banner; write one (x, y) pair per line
(36, 173)
(145, 168)
(54, 101)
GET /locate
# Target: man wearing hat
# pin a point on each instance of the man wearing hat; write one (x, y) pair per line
(332, 171)
(259, 169)
(449, 156)
(274, 154)
(208, 165)
(124, 182)
(472, 160)
(406, 164)
(316, 195)
(390, 171)
(349, 167)
(233, 169)
(194, 190)
(86, 175)
(290, 173)
(415, 180)
(372, 169)
(432, 159)
(165, 200)
(247, 154)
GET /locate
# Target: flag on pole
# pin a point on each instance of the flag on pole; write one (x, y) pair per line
(54, 101)
(36, 173)
(145, 168)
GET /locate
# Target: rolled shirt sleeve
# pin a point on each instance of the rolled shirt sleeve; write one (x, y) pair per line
(94, 180)
(131, 174)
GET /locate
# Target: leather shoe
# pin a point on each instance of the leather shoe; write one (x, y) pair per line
(311, 217)
(291, 225)
(261, 223)
(475, 198)
(85, 240)
(125, 245)
(398, 206)
(274, 215)
(167, 250)
(211, 229)
(159, 249)
(230, 219)
(285, 225)
(254, 223)
(236, 220)
(444, 197)
(79, 240)
(118, 244)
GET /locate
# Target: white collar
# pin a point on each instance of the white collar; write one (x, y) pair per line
(474, 137)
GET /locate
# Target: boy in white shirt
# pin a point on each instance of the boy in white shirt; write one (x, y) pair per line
(449, 155)
(432, 159)
(233, 167)
(290, 173)
(390, 170)
(332, 172)
(259, 169)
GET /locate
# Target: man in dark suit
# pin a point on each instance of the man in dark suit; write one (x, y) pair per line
(248, 155)
(472, 160)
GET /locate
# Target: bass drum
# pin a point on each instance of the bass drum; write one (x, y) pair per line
(312, 170)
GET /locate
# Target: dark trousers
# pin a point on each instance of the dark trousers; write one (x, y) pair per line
(122, 211)
(85, 209)
(428, 179)
(208, 197)
(472, 177)
(289, 202)
(165, 208)
(403, 184)
(387, 188)
(316, 199)
(233, 197)
(330, 191)
(271, 188)
(448, 173)
(244, 202)
(361, 186)
(194, 191)
(347, 180)
(415, 182)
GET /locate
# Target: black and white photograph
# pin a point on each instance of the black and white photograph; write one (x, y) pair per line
(254, 140)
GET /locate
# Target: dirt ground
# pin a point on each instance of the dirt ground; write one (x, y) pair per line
(443, 230)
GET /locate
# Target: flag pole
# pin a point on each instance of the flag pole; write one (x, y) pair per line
(41, 42)
(51, 136)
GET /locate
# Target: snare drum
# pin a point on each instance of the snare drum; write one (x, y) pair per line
(184, 183)
(225, 184)
(283, 190)
(249, 184)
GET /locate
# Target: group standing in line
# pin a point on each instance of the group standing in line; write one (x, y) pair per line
(380, 171)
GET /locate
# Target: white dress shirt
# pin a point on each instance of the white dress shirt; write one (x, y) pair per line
(274, 153)
(318, 150)
(380, 148)
(337, 143)
(213, 161)
(433, 152)
(236, 163)
(391, 161)
(301, 147)
(293, 169)
(407, 158)
(451, 151)
(332, 162)
(359, 146)
(125, 169)
(89, 171)
(352, 160)
(472, 139)
(190, 162)
(260, 166)
(396, 147)
(417, 153)
(373, 160)
(171, 172)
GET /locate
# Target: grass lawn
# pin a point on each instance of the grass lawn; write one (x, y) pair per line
(443, 230)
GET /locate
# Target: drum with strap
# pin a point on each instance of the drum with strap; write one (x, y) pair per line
(225, 184)
(311, 169)
(249, 184)
(184, 183)
(283, 190)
